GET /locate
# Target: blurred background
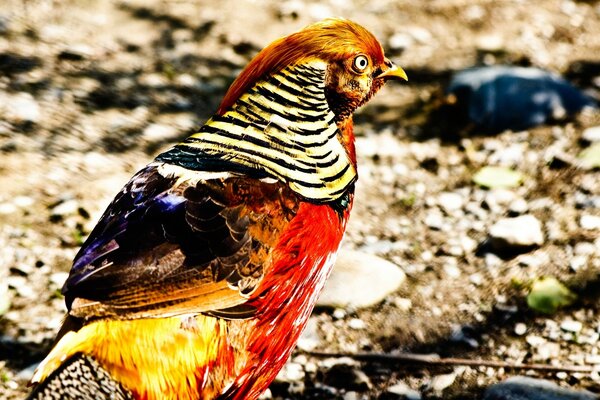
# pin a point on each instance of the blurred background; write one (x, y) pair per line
(476, 227)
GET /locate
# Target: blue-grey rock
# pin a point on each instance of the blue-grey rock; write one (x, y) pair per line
(525, 388)
(498, 98)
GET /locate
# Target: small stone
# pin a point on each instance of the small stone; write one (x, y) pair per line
(360, 280)
(578, 262)
(520, 329)
(452, 270)
(58, 278)
(403, 303)
(590, 222)
(23, 201)
(402, 391)
(584, 249)
(571, 326)
(523, 231)
(400, 41)
(291, 372)
(526, 388)
(441, 382)
(591, 134)
(23, 107)
(356, 324)
(310, 338)
(159, 132)
(434, 220)
(64, 208)
(450, 201)
(518, 206)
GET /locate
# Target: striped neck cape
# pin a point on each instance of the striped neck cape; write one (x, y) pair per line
(282, 128)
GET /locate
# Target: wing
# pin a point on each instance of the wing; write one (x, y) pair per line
(171, 244)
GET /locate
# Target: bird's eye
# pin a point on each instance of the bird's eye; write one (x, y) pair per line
(361, 62)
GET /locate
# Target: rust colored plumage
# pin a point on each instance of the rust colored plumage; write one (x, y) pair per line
(201, 274)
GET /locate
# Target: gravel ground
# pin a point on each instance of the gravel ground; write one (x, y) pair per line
(90, 91)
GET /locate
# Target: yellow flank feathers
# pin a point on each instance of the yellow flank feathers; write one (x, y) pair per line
(154, 358)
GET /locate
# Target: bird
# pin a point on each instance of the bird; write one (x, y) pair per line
(203, 271)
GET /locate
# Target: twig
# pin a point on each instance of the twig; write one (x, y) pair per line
(435, 360)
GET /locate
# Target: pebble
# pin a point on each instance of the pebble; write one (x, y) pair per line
(441, 382)
(400, 41)
(159, 133)
(518, 206)
(58, 278)
(590, 222)
(591, 134)
(310, 338)
(402, 391)
(526, 388)
(450, 202)
(357, 324)
(434, 220)
(403, 303)
(520, 329)
(22, 107)
(291, 372)
(523, 231)
(584, 249)
(360, 280)
(64, 208)
(570, 325)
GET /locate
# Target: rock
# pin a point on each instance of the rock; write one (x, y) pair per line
(518, 206)
(64, 208)
(401, 391)
(526, 388)
(291, 372)
(58, 278)
(498, 98)
(450, 202)
(510, 233)
(360, 280)
(400, 41)
(570, 325)
(590, 222)
(591, 134)
(310, 338)
(159, 133)
(441, 382)
(434, 220)
(357, 324)
(22, 107)
(520, 329)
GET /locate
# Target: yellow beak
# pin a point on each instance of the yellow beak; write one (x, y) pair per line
(393, 72)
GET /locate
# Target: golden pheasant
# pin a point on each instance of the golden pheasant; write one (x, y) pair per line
(203, 271)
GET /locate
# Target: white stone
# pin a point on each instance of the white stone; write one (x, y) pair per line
(360, 280)
(450, 201)
(592, 134)
(357, 324)
(159, 132)
(520, 329)
(522, 231)
(22, 107)
(571, 326)
(590, 222)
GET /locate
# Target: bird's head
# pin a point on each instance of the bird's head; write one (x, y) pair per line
(356, 65)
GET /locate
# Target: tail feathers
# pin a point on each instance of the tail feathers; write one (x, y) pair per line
(80, 378)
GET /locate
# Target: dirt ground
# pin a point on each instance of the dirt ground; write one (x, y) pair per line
(90, 91)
